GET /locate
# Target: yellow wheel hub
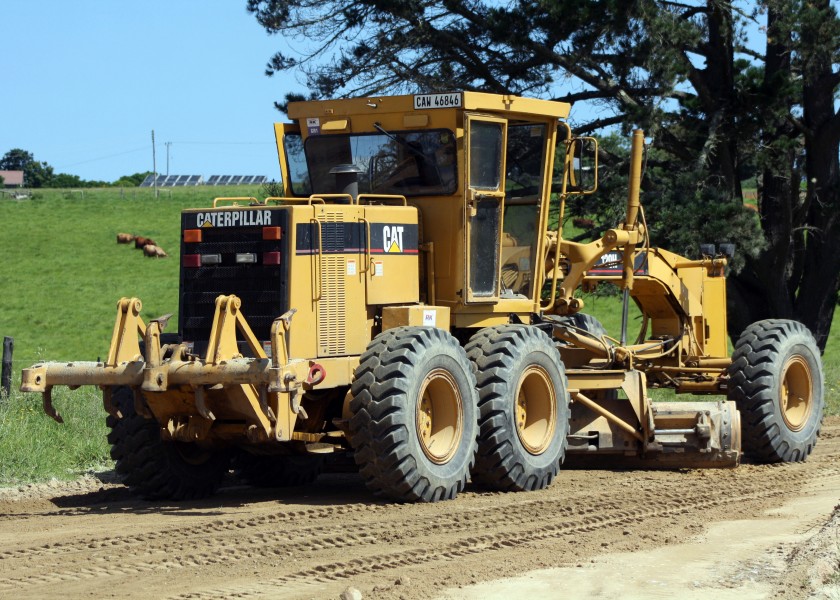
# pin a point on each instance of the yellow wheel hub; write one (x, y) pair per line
(440, 421)
(535, 410)
(797, 393)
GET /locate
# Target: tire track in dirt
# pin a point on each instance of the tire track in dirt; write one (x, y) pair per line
(607, 517)
(120, 543)
(583, 502)
(181, 554)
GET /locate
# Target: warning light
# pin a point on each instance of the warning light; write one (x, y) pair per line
(272, 233)
(192, 236)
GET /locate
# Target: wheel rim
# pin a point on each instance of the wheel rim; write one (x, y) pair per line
(536, 410)
(439, 416)
(797, 393)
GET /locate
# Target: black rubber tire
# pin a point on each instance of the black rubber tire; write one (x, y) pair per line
(387, 394)
(158, 470)
(588, 323)
(501, 356)
(284, 470)
(756, 384)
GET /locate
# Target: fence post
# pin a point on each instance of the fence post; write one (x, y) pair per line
(6, 376)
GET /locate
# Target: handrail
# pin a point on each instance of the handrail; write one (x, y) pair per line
(367, 245)
(289, 200)
(332, 196)
(397, 197)
(320, 288)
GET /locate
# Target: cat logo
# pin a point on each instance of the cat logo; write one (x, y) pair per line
(392, 238)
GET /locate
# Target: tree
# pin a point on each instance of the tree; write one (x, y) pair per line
(16, 160)
(35, 174)
(720, 108)
(132, 180)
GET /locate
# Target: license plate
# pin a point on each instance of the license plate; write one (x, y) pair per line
(426, 101)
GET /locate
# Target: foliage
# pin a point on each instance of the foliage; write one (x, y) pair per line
(131, 180)
(41, 175)
(272, 189)
(16, 160)
(63, 180)
(35, 174)
(36, 448)
(718, 109)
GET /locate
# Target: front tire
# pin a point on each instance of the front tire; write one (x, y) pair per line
(413, 424)
(776, 379)
(523, 408)
(154, 469)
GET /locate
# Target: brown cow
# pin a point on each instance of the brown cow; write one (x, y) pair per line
(125, 238)
(154, 251)
(140, 242)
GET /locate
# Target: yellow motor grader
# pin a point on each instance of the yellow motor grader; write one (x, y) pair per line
(411, 301)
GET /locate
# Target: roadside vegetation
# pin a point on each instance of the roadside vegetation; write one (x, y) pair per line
(63, 272)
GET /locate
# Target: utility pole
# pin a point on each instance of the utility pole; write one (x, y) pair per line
(167, 157)
(154, 163)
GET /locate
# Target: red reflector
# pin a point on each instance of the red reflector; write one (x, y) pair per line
(271, 258)
(192, 236)
(192, 261)
(272, 233)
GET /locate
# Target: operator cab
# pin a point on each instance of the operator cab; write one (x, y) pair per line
(478, 167)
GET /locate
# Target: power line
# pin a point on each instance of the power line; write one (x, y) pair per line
(90, 160)
(226, 143)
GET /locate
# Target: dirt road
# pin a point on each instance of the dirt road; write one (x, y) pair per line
(593, 533)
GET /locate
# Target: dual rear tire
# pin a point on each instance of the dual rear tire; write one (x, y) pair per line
(427, 413)
(523, 408)
(414, 409)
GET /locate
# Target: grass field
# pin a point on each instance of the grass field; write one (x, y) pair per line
(62, 274)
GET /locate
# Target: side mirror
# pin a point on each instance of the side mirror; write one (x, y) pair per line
(728, 250)
(582, 165)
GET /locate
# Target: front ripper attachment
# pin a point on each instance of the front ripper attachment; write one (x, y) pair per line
(182, 391)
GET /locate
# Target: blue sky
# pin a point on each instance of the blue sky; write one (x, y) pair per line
(86, 81)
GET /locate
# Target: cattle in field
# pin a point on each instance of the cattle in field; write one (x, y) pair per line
(154, 251)
(125, 238)
(141, 242)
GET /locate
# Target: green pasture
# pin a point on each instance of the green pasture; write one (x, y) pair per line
(62, 273)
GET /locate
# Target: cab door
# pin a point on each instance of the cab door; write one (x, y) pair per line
(486, 139)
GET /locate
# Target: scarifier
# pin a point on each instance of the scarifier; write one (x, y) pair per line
(411, 301)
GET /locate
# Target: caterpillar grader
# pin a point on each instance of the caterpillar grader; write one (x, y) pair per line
(410, 301)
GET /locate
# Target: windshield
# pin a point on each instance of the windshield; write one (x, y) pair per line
(409, 163)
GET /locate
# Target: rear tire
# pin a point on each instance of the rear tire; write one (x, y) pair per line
(523, 408)
(154, 469)
(776, 379)
(413, 424)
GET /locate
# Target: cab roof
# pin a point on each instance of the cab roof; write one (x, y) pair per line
(472, 101)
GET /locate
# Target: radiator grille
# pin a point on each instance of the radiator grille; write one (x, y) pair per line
(263, 289)
(331, 307)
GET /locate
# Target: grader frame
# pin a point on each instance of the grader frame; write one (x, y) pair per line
(411, 303)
